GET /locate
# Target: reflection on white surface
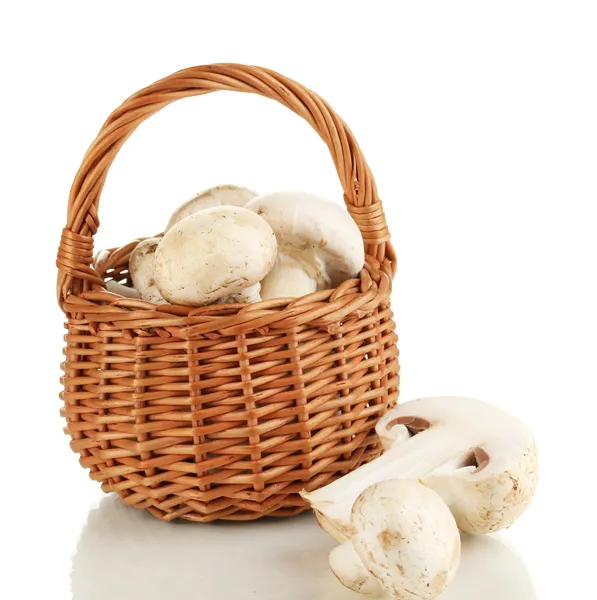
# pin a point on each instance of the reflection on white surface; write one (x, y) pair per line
(490, 570)
(124, 553)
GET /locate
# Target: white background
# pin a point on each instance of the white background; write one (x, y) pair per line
(479, 120)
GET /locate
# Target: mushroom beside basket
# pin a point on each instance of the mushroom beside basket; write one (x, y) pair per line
(224, 411)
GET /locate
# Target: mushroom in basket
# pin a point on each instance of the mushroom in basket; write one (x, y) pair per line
(319, 244)
(215, 254)
(221, 195)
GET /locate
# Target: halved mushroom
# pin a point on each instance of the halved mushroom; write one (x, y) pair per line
(319, 244)
(215, 253)
(481, 460)
(221, 195)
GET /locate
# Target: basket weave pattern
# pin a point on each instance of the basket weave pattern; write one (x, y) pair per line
(225, 411)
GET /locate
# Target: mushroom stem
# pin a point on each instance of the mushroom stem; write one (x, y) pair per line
(123, 290)
(333, 503)
(350, 571)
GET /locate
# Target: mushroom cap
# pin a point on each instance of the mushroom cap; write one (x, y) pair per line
(214, 253)
(489, 476)
(221, 195)
(141, 265)
(407, 538)
(306, 223)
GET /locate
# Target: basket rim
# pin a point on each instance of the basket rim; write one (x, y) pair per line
(353, 299)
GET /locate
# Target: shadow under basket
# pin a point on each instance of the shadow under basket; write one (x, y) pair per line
(224, 411)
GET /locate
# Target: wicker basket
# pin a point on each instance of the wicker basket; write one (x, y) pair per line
(226, 411)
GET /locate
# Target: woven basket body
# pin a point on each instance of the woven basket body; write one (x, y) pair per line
(226, 411)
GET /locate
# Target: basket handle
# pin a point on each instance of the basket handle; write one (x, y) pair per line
(75, 254)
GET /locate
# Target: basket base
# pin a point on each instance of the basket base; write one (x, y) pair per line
(236, 516)
(190, 511)
(190, 505)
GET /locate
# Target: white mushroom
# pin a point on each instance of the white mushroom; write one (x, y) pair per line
(221, 195)
(481, 460)
(141, 270)
(122, 290)
(214, 253)
(403, 539)
(288, 279)
(320, 245)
